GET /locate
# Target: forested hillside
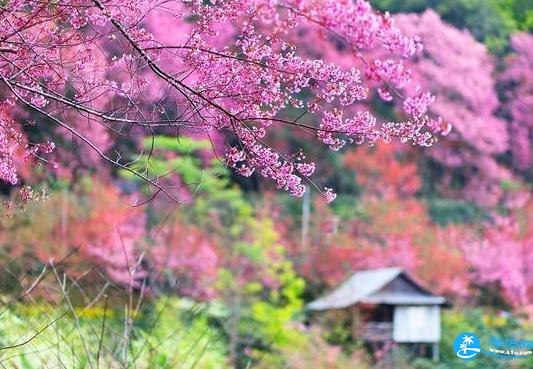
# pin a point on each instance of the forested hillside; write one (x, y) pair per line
(180, 178)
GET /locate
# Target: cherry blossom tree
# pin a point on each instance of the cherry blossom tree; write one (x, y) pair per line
(518, 77)
(185, 256)
(503, 256)
(102, 71)
(88, 229)
(461, 71)
(390, 232)
(385, 171)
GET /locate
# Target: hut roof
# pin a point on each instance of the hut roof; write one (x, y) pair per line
(390, 286)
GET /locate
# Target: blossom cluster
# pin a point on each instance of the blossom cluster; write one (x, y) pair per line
(234, 67)
(8, 172)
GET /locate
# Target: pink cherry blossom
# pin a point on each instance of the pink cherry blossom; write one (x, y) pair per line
(504, 256)
(519, 103)
(100, 70)
(460, 71)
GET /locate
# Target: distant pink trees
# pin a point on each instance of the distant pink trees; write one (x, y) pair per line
(382, 173)
(503, 256)
(462, 73)
(215, 66)
(464, 77)
(92, 231)
(518, 82)
(185, 256)
(394, 232)
(87, 229)
(108, 235)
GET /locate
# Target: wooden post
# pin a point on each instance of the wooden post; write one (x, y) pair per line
(355, 321)
(394, 356)
(306, 211)
(435, 352)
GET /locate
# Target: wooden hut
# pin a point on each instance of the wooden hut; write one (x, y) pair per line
(387, 306)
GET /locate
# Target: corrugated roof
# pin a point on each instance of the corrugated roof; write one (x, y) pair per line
(404, 299)
(365, 286)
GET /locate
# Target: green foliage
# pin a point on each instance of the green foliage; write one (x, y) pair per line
(483, 324)
(172, 333)
(182, 145)
(208, 183)
(490, 21)
(445, 211)
(519, 13)
(62, 344)
(348, 207)
(316, 353)
(269, 301)
(181, 335)
(261, 304)
(510, 185)
(165, 156)
(406, 6)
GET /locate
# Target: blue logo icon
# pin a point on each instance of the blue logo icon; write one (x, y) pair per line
(466, 346)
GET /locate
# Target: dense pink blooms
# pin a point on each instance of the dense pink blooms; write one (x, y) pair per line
(90, 231)
(385, 171)
(389, 70)
(15, 150)
(230, 67)
(504, 256)
(418, 105)
(518, 76)
(110, 236)
(460, 71)
(115, 250)
(8, 140)
(185, 254)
